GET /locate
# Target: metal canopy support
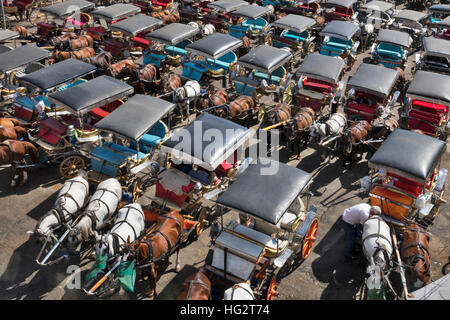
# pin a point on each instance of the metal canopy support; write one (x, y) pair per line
(3, 15)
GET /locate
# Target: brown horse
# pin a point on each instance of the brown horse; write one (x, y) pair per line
(81, 42)
(281, 112)
(146, 80)
(196, 287)
(102, 60)
(351, 139)
(167, 16)
(415, 253)
(296, 130)
(78, 54)
(216, 98)
(10, 122)
(12, 151)
(157, 245)
(121, 69)
(13, 133)
(170, 82)
(60, 42)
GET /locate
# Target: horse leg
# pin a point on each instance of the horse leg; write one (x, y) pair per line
(15, 177)
(152, 281)
(178, 266)
(24, 177)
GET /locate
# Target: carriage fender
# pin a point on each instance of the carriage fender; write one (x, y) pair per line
(301, 231)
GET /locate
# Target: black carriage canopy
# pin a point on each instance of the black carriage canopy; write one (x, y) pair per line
(377, 80)
(136, 116)
(340, 29)
(207, 141)
(441, 8)
(251, 11)
(340, 3)
(116, 11)
(395, 37)
(67, 8)
(409, 154)
(6, 34)
(227, 5)
(265, 58)
(411, 15)
(21, 56)
(214, 46)
(58, 73)
(173, 33)
(321, 67)
(294, 22)
(431, 87)
(380, 6)
(135, 24)
(436, 47)
(91, 94)
(268, 196)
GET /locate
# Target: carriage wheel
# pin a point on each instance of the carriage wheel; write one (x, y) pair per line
(310, 238)
(261, 113)
(70, 166)
(36, 16)
(268, 40)
(136, 190)
(311, 47)
(287, 93)
(272, 288)
(201, 221)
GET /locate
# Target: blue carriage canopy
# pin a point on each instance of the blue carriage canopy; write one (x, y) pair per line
(321, 67)
(340, 29)
(395, 37)
(377, 80)
(268, 196)
(227, 5)
(21, 56)
(214, 46)
(192, 144)
(116, 11)
(294, 22)
(173, 33)
(265, 58)
(57, 74)
(89, 95)
(436, 47)
(380, 6)
(409, 154)
(251, 11)
(136, 116)
(431, 87)
(6, 35)
(136, 24)
(68, 8)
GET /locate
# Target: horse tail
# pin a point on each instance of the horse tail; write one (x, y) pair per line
(22, 133)
(32, 151)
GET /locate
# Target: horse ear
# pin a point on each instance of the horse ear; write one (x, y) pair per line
(128, 239)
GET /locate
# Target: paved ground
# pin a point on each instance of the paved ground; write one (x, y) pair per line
(324, 275)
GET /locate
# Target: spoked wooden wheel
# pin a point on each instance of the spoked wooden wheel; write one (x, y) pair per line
(310, 238)
(71, 166)
(272, 288)
(201, 221)
(287, 93)
(261, 112)
(36, 16)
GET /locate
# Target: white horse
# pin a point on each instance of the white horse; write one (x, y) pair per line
(71, 199)
(130, 223)
(102, 205)
(334, 126)
(240, 291)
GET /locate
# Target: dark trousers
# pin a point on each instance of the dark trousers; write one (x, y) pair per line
(351, 232)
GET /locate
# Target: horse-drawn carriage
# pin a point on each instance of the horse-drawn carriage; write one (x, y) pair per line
(274, 232)
(412, 22)
(376, 13)
(440, 21)
(249, 21)
(294, 32)
(170, 44)
(435, 57)
(52, 20)
(391, 48)
(303, 8)
(340, 39)
(220, 17)
(427, 106)
(344, 10)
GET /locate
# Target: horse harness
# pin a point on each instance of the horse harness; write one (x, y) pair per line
(116, 237)
(378, 235)
(91, 214)
(194, 281)
(59, 212)
(420, 245)
(238, 285)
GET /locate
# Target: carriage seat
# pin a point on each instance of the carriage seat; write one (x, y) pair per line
(390, 50)
(46, 26)
(193, 70)
(430, 107)
(24, 108)
(317, 85)
(162, 3)
(238, 31)
(153, 58)
(153, 138)
(99, 113)
(141, 41)
(245, 86)
(51, 131)
(256, 25)
(178, 49)
(275, 77)
(72, 84)
(224, 62)
(339, 43)
(298, 37)
(22, 4)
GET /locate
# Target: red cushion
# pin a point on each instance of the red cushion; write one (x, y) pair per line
(142, 41)
(317, 84)
(437, 108)
(45, 25)
(99, 113)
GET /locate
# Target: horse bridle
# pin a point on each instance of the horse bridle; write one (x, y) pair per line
(194, 281)
(419, 244)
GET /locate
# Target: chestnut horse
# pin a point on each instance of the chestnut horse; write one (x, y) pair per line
(415, 253)
(216, 98)
(122, 69)
(78, 54)
(145, 80)
(297, 129)
(12, 151)
(281, 112)
(158, 244)
(13, 133)
(241, 107)
(170, 82)
(167, 16)
(351, 141)
(10, 122)
(196, 287)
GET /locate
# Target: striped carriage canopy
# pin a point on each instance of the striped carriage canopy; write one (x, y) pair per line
(251, 11)
(136, 24)
(376, 80)
(409, 154)
(6, 34)
(116, 11)
(265, 58)
(395, 37)
(136, 116)
(381, 6)
(67, 8)
(227, 5)
(431, 87)
(89, 95)
(294, 22)
(21, 57)
(214, 46)
(263, 194)
(340, 29)
(173, 33)
(57, 74)
(436, 47)
(192, 144)
(321, 67)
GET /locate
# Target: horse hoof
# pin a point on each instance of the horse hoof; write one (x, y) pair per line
(13, 184)
(177, 269)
